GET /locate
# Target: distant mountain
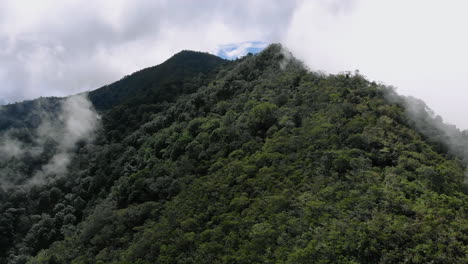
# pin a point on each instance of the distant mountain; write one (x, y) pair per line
(257, 160)
(159, 83)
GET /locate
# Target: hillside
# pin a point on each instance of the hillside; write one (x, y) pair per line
(136, 94)
(158, 83)
(257, 160)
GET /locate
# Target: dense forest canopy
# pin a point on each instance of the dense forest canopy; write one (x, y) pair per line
(257, 160)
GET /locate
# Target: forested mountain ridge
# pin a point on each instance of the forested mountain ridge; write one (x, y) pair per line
(258, 161)
(30, 127)
(161, 82)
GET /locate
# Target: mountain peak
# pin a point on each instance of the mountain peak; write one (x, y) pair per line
(255, 160)
(193, 57)
(178, 68)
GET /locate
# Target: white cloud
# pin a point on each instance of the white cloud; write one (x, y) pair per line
(62, 47)
(58, 47)
(236, 50)
(417, 46)
(56, 137)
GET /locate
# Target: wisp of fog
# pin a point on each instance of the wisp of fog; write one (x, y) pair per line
(55, 139)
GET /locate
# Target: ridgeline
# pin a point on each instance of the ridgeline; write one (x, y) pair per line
(257, 160)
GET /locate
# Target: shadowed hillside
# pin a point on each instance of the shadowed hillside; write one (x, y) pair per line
(158, 83)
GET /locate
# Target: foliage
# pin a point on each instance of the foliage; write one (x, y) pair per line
(258, 164)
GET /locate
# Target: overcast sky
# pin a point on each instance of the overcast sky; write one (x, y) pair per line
(61, 47)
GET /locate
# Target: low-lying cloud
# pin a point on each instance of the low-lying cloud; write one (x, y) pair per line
(55, 137)
(44, 52)
(237, 50)
(417, 46)
(447, 136)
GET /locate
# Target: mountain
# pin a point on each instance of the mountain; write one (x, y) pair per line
(158, 83)
(258, 160)
(155, 84)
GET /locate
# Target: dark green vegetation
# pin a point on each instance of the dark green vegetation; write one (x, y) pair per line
(243, 162)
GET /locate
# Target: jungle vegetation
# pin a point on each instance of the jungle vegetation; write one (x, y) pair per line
(203, 160)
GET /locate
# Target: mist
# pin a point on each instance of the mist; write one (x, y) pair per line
(52, 142)
(417, 45)
(445, 137)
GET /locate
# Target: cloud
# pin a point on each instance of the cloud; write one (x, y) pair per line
(10, 147)
(237, 50)
(54, 140)
(78, 121)
(45, 52)
(417, 46)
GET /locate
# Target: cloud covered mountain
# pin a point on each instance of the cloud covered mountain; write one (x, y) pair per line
(255, 160)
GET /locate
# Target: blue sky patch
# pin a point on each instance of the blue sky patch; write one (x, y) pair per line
(236, 50)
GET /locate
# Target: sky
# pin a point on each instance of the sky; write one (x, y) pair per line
(58, 48)
(236, 50)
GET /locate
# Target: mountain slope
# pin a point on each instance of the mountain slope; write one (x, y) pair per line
(161, 82)
(260, 164)
(22, 124)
